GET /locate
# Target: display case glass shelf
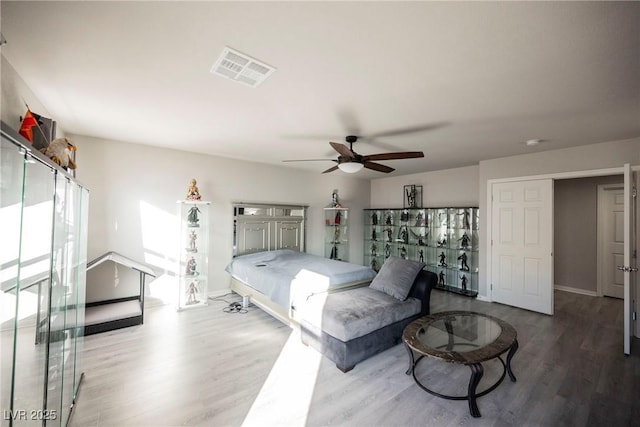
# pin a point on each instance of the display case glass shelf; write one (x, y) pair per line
(194, 254)
(445, 239)
(336, 240)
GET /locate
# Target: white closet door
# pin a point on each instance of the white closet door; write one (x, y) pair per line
(522, 244)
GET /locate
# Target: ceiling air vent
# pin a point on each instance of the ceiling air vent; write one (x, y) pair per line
(242, 68)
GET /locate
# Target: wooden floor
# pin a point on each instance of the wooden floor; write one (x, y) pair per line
(205, 367)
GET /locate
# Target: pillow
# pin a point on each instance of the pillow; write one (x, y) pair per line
(396, 277)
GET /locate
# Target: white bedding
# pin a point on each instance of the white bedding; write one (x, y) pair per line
(283, 275)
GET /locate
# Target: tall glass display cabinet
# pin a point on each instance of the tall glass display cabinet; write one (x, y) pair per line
(445, 239)
(336, 240)
(194, 254)
(43, 257)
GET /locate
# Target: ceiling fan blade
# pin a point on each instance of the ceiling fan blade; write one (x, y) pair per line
(342, 149)
(394, 156)
(378, 167)
(312, 160)
(411, 129)
(331, 169)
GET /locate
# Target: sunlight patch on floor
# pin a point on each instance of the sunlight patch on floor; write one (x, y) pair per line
(286, 394)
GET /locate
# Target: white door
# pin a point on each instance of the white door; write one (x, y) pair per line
(629, 266)
(613, 242)
(522, 244)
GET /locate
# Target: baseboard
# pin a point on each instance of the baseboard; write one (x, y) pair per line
(575, 290)
(219, 293)
(483, 298)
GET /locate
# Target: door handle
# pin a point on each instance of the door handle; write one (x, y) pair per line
(627, 269)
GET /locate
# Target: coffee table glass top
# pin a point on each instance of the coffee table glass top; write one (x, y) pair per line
(460, 336)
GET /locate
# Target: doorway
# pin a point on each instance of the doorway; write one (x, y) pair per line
(610, 240)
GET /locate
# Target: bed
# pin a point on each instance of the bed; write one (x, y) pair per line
(277, 281)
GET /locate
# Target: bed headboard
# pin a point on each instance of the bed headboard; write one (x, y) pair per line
(261, 227)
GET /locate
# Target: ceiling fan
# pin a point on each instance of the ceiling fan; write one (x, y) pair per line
(351, 162)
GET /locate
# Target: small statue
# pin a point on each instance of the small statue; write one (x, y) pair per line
(192, 217)
(404, 216)
(464, 241)
(419, 219)
(421, 238)
(442, 241)
(334, 252)
(464, 282)
(191, 267)
(374, 250)
(374, 235)
(441, 277)
(463, 262)
(192, 191)
(336, 234)
(465, 219)
(59, 151)
(443, 259)
(374, 264)
(334, 200)
(192, 242)
(403, 236)
(192, 293)
(403, 252)
(387, 251)
(421, 255)
(374, 218)
(387, 219)
(337, 218)
(389, 234)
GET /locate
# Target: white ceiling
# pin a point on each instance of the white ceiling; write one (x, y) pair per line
(489, 76)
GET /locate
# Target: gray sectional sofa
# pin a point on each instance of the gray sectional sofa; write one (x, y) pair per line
(350, 326)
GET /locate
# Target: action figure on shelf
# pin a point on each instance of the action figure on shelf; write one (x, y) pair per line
(441, 278)
(389, 234)
(403, 252)
(464, 241)
(192, 217)
(374, 249)
(337, 218)
(421, 255)
(374, 218)
(334, 252)
(463, 262)
(191, 267)
(419, 219)
(192, 293)
(387, 219)
(403, 236)
(443, 259)
(336, 234)
(404, 216)
(192, 242)
(465, 219)
(463, 282)
(192, 191)
(374, 264)
(374, 235)
(387, 251)
(442, 241)
(420, 237)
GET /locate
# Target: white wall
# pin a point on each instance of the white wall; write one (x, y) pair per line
(446, 188)
(134, 189)
(588, 157)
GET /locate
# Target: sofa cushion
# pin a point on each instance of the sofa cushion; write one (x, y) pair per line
(396, 277)
(356, 312)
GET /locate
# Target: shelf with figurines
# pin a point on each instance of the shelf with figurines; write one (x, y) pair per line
(445, 239)
(336, 221)
(194, 249)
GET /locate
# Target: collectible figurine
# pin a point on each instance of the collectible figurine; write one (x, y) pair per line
(374, 264)
(387, 219)
(443, 260)
(403, 252)
(403, 236)
(464, 282)
(191, 267)
(389, 234)
(419, 219)
(420, 237)
(442, 241)
(463, 262)
(387, 251)
(336, 234)
(192, 242)
(334, 200)
(421, 255)
(192, 217)
(59, 151)
(404, 216)
(465, 219)
(334, 252)
(192, 293)
(192, 191)
(464, 241)
(374, 235)
(374, 249)
(374, 218)
(441, 277)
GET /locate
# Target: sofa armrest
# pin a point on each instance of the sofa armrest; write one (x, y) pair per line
(421, 289)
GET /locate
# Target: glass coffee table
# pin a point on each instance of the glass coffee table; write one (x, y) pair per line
(462, 337)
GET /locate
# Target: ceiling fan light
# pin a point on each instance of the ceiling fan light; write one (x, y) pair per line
(350, 167)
